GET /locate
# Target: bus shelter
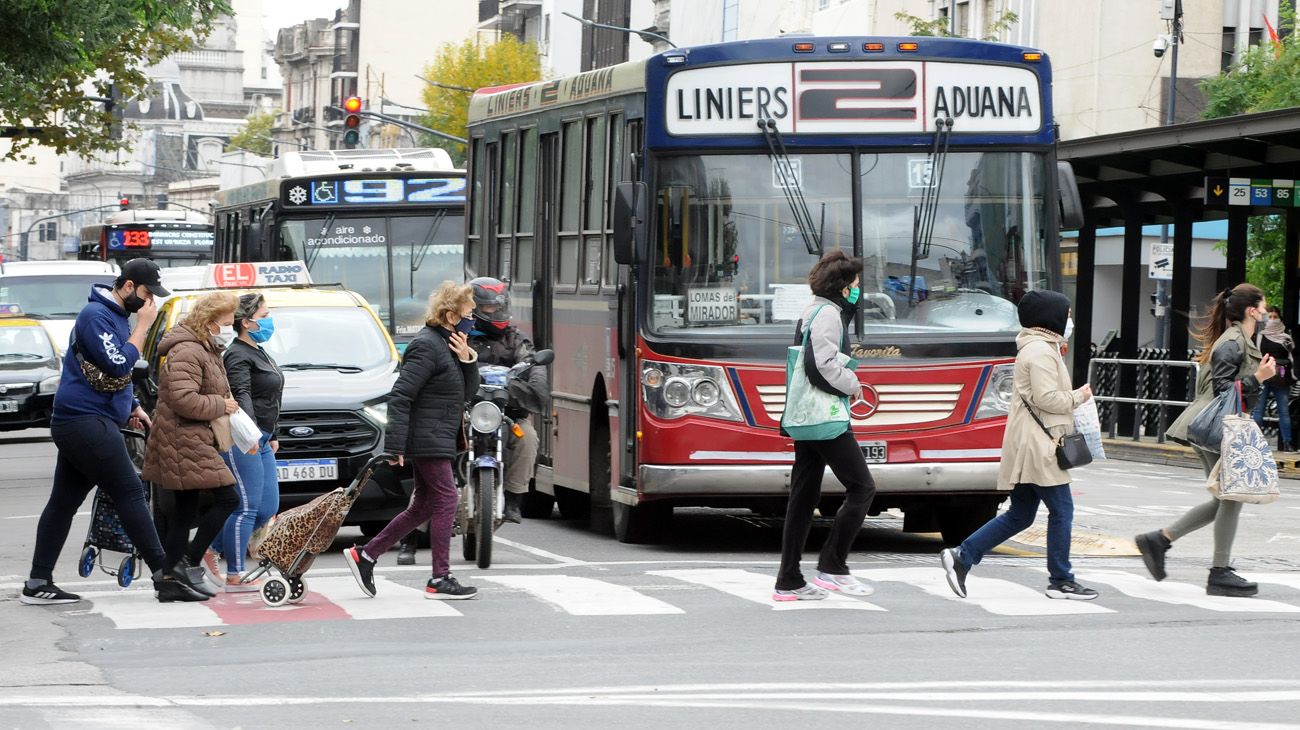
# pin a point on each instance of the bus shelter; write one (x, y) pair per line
(1231, 168)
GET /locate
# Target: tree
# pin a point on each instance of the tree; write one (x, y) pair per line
(1267, 78)
(50, 48)
(255, 137)
(940, 26)
(472, 66)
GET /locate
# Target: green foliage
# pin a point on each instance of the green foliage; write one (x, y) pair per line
(939, 26)
(471, 66)
(1267, 79)
(50, 48)
(255, 137)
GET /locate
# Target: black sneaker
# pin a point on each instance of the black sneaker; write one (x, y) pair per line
(511, 511)
(173, 591)
(363, 570)
(447, 588)
(1153, 546)
(1071, 591)
(955, 569)
(47, 594)
(406, 552)
(1226, 582)
(192, 577)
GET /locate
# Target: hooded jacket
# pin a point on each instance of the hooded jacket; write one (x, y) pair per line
(182, 452)
(100, 333)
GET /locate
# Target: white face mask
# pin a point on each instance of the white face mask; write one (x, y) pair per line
(1069, 328)
(225, 335)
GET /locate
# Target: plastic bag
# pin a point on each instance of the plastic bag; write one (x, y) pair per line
(247, 436)
(1088, 424)
(1206, 429)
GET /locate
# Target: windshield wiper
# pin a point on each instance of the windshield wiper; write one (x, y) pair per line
(790, 186)
(314, 251)
(22, 356)
(320, 366)
(923, 216)
(418, 256)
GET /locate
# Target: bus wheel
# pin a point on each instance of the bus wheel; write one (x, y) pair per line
(574, 505)
(643, 524)
(957, 522)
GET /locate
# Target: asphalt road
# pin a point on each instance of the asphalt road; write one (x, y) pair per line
(576, 630)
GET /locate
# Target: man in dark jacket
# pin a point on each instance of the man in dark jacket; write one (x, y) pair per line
(93, 402)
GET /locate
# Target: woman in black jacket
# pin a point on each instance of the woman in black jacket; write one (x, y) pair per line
(1273, 339)
(424, 419)
(257, 385)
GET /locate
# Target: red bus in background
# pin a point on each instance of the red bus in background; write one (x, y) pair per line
(169, 237)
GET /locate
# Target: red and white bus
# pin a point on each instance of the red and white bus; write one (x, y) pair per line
(656, 222)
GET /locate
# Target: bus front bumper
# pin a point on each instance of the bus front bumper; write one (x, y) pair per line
(767, 480)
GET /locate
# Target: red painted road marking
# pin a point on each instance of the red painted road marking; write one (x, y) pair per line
(247, 608)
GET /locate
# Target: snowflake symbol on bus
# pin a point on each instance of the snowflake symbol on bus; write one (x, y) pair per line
(365, 229)
(297, 195)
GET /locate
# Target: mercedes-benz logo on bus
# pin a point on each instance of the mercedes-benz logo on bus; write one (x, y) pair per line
(867, 406)
(301, 431)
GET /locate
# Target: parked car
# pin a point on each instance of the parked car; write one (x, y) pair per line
(53, 291)
(29, 371)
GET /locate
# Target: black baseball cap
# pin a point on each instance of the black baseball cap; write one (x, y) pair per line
(144, 271)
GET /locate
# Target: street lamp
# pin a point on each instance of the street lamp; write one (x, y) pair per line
(644, 35)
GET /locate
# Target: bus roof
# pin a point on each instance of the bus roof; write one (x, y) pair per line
(315, 162)
(156, 216)
(498, 102)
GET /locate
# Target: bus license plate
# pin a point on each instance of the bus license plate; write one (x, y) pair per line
(8, 406)
(875, 451)
(307, 470)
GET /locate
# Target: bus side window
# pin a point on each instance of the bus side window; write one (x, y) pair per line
(616, 173)
(571, 187)
(525, 217)
(506, 203)
(474, 244)
(593, 203)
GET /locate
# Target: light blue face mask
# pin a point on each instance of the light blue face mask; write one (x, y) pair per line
(854, 294)
(265, 328)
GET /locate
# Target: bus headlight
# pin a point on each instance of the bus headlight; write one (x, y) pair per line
(674, 390)
(484, 417)
(998, 392)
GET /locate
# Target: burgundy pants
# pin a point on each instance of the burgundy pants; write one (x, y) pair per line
(433, 501)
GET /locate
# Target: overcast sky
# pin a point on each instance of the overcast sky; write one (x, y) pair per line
(284, 13)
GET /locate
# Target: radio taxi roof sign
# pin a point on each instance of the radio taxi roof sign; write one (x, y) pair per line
(253, 275)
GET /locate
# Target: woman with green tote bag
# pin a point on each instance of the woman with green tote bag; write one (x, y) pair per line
(820, 380)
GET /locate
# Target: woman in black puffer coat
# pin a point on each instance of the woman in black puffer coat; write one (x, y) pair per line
(425, 407)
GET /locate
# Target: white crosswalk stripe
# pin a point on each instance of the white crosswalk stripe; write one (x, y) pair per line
(585, 596)
(1020, 593)
(757, 587)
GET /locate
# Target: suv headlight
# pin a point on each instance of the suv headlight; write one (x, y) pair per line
(674, 390)
(998, 392)
(378, 412)
(485, 417)
(48, 385)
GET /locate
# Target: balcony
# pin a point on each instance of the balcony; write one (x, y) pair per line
(488, 10)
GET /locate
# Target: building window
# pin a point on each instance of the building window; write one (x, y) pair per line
(49, 231)
(600, 47)
(731, 18)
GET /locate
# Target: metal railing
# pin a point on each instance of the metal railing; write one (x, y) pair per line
(1150, 383)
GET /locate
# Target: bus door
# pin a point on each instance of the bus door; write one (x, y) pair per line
(548, 213)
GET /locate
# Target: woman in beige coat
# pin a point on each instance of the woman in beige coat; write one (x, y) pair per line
(1029, 467)
(182, 456)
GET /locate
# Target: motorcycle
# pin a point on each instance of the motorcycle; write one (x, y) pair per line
(482, 491)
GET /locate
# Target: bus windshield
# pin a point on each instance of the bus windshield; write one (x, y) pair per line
(730, 255)
(395, 262)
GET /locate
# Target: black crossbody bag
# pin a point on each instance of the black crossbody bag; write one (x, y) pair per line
(1071, 450)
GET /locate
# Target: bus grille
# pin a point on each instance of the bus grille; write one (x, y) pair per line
(333, 433)
(900, 404)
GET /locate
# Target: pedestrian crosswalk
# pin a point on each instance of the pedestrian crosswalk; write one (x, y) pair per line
(993, 590)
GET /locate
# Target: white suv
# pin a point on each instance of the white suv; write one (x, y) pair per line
(53, 291)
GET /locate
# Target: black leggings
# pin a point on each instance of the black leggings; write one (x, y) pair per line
(184, 510)
(843, 455)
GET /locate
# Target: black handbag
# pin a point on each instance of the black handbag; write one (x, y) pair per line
(1071, 450)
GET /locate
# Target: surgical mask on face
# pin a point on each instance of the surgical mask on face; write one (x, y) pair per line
(465, 325)
(1262, 317)
(1069, 328)
(132, 302)
(225, 335)
(265, 328)
(855, 293)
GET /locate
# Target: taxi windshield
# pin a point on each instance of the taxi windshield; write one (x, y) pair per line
(24, 343)
(336, 338)
(51, 297)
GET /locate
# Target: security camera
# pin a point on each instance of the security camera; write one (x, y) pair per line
(1160, 46)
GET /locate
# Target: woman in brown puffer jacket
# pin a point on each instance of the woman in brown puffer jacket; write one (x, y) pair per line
(182, 455)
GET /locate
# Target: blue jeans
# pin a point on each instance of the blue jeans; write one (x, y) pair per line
(259, 500)
(1279, 393)
(1024, 506)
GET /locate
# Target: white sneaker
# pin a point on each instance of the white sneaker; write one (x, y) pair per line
(808, 593)
(846, 584)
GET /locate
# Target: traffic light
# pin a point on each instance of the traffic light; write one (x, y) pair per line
(115, 106)
(352, 121)
(124, 204)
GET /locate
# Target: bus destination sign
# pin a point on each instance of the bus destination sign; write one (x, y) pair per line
(853, 98)
(334, 191)
(125, 238)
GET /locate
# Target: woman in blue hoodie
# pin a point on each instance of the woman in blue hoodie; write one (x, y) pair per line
(93, 402)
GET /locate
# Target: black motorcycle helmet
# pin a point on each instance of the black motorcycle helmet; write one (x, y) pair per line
(491, 302)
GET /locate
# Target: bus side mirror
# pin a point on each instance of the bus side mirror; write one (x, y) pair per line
(1067, 193)
(255, 242)
(630, 199)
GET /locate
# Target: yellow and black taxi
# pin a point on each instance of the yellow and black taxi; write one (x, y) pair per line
(29, 371)
(339, 364)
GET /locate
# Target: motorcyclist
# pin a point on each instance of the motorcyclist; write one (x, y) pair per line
(498, 342)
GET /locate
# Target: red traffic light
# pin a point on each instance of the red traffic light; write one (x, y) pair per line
(352, 121)
(352, 105)
(124, 203)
